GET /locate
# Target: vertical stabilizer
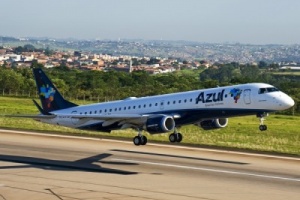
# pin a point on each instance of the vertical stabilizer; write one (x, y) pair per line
(50, 97)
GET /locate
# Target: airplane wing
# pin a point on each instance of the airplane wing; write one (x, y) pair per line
(116, 116)
(104, 117)
(126, 120)
(92, 117)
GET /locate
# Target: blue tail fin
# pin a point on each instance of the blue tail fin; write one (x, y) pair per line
(50, 97)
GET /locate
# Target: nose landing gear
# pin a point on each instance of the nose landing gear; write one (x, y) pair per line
(262, 116)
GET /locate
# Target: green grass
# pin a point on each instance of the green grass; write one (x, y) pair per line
(282, 136)
(289, 73)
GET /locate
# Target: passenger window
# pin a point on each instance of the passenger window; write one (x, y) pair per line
(156, 104)
(179, 101)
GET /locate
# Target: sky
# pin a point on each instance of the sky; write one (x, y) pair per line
(207, 21)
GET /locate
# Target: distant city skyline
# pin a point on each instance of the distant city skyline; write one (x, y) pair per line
(214, 21)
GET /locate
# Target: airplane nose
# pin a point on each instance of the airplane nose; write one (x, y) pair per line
(288, 102)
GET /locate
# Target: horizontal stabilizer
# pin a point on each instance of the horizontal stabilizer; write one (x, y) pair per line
(40, 108)
(33, 116)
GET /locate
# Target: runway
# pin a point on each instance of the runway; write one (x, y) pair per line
(42, 166)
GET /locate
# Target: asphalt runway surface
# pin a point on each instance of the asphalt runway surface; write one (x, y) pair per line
(40, 166)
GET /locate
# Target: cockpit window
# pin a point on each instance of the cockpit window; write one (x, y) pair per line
(267, 90)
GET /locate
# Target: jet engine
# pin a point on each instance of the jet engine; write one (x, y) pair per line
(160, 124)
(213, 123)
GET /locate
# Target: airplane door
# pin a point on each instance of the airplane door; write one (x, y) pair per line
(247, 96)
(74, 121)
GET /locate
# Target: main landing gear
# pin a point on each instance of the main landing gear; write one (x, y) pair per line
(262, 127)
(175, 137)
(140, 139)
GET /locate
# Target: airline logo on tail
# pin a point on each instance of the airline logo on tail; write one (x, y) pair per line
(48, 93)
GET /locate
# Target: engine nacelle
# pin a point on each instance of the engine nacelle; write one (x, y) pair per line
(160, 124)
(213, 123)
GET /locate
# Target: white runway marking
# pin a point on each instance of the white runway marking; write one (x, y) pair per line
(208, 169)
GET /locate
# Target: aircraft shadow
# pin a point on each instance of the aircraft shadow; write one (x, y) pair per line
(85, 164)
(185, 157)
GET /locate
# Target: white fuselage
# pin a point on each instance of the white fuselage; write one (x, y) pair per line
(185, 107)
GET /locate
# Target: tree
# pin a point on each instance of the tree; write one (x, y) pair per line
(224, 74)
(48, 52)
(153, 61)
(274, 66)
(35, 64)
(29, 48)
(262, 64)
(135, 62)
(61, 84)
(19, 50)
(250, 72)
(10, 80)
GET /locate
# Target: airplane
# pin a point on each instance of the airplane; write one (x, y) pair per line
(206, 108)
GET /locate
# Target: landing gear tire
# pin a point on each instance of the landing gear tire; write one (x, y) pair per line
(144, 140)
(172, 138)
(263, 127)
(261, 117)
(179, 137)
(175, 137)
(137, 140)
(140, 140)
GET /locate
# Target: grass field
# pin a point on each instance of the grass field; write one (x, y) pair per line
(288, 73)
(282, 136)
